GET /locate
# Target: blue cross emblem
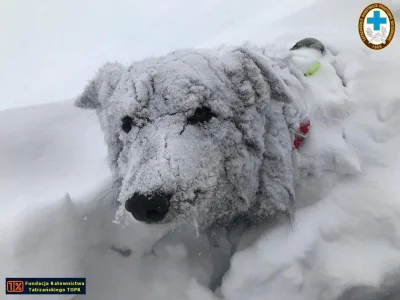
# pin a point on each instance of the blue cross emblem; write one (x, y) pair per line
(377, 20)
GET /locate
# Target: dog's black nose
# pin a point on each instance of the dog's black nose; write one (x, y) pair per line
(149, 209)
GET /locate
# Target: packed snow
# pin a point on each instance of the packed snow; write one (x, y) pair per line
(55, 184)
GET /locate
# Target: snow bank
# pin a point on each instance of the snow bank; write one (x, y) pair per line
(49, 242)
(345, 246)
(46, 151)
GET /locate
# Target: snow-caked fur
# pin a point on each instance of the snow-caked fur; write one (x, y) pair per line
(238, 165)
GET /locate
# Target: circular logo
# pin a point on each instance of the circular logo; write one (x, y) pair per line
(376, 26)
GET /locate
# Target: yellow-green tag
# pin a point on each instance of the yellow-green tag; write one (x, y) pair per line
(312, 70)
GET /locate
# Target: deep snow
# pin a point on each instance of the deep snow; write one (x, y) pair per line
(345, 245)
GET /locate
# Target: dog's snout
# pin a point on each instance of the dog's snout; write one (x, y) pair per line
(149, 209)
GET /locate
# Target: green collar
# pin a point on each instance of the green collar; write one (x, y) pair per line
(312, 70)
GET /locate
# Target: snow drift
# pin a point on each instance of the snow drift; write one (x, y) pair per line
(343, 245)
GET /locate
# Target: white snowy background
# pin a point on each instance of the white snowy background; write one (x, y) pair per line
(50, 49)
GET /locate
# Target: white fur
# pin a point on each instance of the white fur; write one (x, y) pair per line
(237, 165)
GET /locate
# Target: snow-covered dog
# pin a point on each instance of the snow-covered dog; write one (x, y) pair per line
(204, 137)
(201, 136)
(207, 137)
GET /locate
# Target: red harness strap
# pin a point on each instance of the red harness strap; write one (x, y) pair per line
(301, 134)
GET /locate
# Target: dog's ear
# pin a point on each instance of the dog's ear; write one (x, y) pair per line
(100, 89)
(276, 195)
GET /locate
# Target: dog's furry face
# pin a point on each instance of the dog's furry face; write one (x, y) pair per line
(211, 129)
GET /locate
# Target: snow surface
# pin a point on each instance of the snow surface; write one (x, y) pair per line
(345, 246)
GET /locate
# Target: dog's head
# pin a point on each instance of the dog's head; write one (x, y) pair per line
(203, 137)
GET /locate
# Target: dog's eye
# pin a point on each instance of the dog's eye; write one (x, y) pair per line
(127, 123)
(202, 114)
